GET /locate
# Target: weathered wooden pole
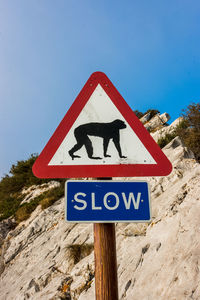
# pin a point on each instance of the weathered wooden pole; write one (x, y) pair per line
(106, 283)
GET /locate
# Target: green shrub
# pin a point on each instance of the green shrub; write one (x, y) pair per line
(190, 131)
(163, 141)
(11, 185)
(8, 205)
(152, 112)
(138, 113)
(22, 175)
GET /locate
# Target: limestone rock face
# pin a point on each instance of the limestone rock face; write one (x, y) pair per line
(145, 118)
(34, 191)
(160, 133)
(157, 122)
(156, 260)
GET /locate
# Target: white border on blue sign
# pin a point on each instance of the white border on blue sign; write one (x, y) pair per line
(113, 221)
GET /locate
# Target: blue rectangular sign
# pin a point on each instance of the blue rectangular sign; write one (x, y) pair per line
(107, 201)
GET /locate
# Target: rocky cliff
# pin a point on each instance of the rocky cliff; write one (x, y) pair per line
(46, 258)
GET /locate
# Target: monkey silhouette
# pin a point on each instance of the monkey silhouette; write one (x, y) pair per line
(107, 131)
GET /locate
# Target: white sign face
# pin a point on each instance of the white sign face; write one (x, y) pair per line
(124, 147)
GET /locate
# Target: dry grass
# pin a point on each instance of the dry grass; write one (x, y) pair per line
(79, 251)
(46, 202)
(23, 213)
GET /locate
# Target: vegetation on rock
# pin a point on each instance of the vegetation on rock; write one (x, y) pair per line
(188, 130)
(44, 199)
(11, 186)
(152, 112)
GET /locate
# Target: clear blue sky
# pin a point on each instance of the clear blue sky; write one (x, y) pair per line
(149, 49)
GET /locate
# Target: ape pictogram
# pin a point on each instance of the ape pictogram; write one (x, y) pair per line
(107, 131)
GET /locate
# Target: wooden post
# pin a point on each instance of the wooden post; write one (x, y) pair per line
(106, 283)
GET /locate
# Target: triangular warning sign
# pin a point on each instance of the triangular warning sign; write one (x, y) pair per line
(100, 136)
